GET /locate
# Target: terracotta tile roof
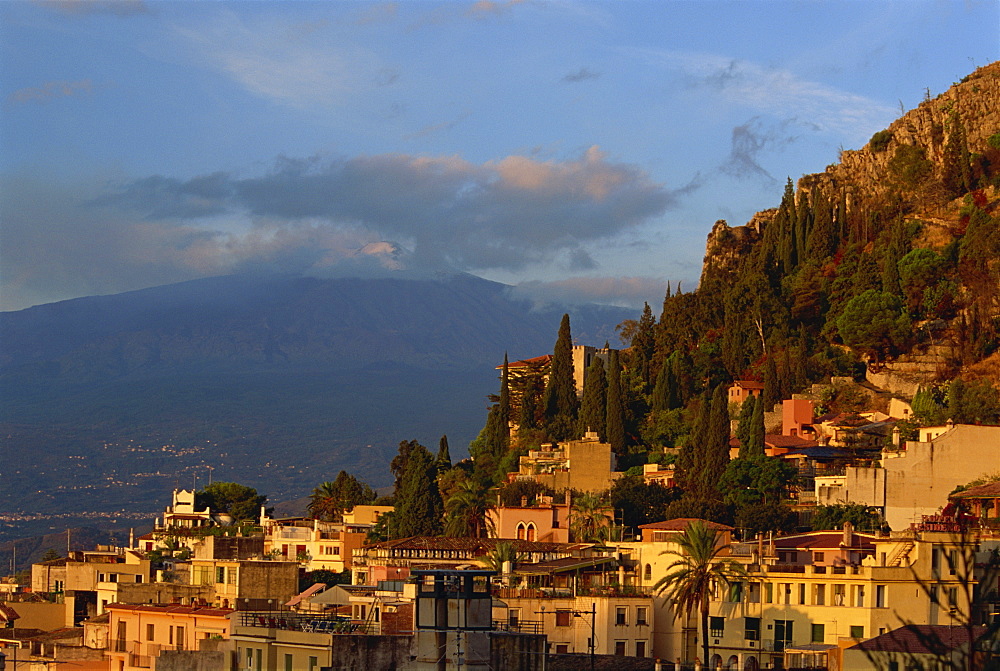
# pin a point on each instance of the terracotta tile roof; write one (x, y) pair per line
(681, 523)
(934, 639)
(990, 490)
(749, 384)
(525, 363)
(7, 614)
(775, 440)
(473, 544)
(558, 565)
(830, 540)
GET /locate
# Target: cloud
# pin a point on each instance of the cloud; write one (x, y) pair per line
(427, 131)
(81, 7)
(581, 75)
(50, 91)
(488, 8)
(294, 64)
(751, 139)
(776, 92)
(313, 215)
(630, 292)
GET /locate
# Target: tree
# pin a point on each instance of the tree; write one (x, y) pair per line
(973, 403)
(589, 518)
(714, 451)
(329, 500)
(593, 408)
(443, 455)
(502, 553)
(241, 502)
(756, 443)
(560, 393)
(753, 488)
(698, 572)
(418, 501)
(744, 424)
(467, 509)
(875, 324)
(861, 517)
(614, 426)
(640, 503)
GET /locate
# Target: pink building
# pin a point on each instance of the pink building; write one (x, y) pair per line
(797, 417)
(741, 390)
(545, 521)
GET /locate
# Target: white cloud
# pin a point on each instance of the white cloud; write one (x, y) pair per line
(777, 92)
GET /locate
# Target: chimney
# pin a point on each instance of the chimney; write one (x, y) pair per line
(950, 423)
(848, 535)
(524, 501)
(895, 436)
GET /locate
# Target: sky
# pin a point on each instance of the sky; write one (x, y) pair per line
(578, 151)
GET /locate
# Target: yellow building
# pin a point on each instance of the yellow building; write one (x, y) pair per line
(585, 465)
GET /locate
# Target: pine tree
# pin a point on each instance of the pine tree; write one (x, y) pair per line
(593, 408)
(615, 423)
(560, 393)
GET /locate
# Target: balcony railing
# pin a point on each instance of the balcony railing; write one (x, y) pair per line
(312, 623)
(520, 627)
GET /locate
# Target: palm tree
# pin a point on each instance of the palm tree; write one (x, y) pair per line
(589, 519)
(501, 553)
(697, 573)
(324, 502)
(467, 510)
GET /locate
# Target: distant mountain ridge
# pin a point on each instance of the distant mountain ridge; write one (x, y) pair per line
(278, 381)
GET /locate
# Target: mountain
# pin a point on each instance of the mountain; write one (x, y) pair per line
(278, 382)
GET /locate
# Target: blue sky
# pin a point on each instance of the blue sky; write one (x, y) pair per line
(577, 150)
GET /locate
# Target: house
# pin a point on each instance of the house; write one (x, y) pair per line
(797, 417)
(982, 501)
(585, 465)
(316, 545)
(741, 390)
(916, 480)
(139, 633)
(914, 646)
(246, 584)
(81, 576)
(542, 520)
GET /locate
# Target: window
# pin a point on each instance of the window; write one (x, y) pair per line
(514, 617)
(620, 648)
(818, 557)
(641, 615)
(952, 597)
(648, 574)
(952, 561)
(819, 596)
(818, 633)
(564, 618)
(170, 636)
(802, 593)
(288, 662)
(936, 561)
(562, 649)
(752, 628)
(640, 648)
(531, 531)
(150, 632)
(736, 592)
(753, 592)
(520, 531)
(782, 634)
(313, 663)
(180, 638)
(336, 550)
(249, 658)
(621, 616)
(857, 631)
(860, 598)
(716, 626)
(880, 596)
(220, 574)
(768, 592)
(839, 595)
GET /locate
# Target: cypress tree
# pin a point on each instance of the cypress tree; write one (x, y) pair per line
(772, 390)
(443, 455)
(743, 428)
(644, 345)
(755, 446)
(593, 408)
(615, 423)
(660, 399)
(715, 452)
(503, 421)
(418, 503)
(560, 393)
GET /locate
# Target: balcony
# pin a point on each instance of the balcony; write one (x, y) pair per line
(316, 623)
(520, 627)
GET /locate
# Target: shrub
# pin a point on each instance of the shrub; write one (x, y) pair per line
(880, 140)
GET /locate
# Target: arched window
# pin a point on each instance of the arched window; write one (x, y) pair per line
(531, 531)
(520, 531)
(648, 574)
